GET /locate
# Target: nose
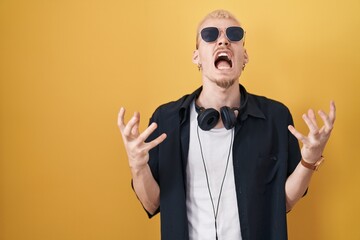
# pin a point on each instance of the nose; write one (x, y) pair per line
(223, 40)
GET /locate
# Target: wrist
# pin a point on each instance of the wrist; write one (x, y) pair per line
(138, 170)
(312, 166)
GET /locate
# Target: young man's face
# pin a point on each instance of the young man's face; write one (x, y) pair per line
(221, 60)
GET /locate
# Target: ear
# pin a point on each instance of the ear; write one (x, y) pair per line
(246, 57)
(195, 58)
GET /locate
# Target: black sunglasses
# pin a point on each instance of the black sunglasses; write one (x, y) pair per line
(211, 34)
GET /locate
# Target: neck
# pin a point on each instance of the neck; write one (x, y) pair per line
(213, 96)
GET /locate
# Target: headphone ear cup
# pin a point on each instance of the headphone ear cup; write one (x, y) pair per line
(208, 118)
(228, 117)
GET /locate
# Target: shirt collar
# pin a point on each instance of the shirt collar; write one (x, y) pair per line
(248, 105)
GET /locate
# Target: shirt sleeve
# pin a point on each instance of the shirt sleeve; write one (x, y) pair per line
(153, 158)
(154, 152)
(293, 149)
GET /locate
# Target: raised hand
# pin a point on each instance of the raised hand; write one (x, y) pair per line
(314, 143)
(136, 147)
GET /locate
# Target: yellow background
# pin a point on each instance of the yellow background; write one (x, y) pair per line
(66, 66)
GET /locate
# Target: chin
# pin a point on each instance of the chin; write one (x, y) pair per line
(225, 84)
(226, 80)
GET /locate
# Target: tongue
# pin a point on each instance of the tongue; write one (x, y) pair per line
(222, 65)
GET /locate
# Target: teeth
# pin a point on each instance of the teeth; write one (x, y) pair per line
(223, 54)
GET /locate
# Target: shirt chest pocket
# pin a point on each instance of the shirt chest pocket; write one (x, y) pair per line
(266, 170)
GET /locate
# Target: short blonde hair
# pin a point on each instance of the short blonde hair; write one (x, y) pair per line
(217, 14)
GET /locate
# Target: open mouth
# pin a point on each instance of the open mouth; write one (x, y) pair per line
(223, 61)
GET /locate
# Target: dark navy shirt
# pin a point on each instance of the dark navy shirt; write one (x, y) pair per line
(265, 153)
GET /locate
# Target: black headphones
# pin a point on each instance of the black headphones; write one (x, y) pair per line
(209, 117)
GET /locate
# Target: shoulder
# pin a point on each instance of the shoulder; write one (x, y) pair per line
(176, 108)
(173, 109)
(270, 107)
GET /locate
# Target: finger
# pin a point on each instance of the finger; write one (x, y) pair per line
(312, 117)
(297, 134)
(133, 122)
(156, 142)
(121, 115)
(322, 129)
(327, 122)
(332, 113)
(149, 130)
(135, 129)
(312, 127)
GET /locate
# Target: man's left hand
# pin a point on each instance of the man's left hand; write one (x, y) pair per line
(314, 143)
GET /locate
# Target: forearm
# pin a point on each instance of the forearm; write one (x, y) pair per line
(146, 188)
(296, 185)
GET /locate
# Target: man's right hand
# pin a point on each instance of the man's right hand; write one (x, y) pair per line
(136, 147)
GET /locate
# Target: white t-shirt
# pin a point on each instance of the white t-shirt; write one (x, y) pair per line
(215, 146)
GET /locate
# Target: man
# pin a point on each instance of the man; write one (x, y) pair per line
(222, 163)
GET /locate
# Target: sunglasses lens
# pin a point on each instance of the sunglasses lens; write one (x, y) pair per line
(209, 34)
(235, 34)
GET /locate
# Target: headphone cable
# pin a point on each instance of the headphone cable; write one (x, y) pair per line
(223, 180)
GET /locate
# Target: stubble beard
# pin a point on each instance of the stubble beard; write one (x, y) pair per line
(225, 84)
